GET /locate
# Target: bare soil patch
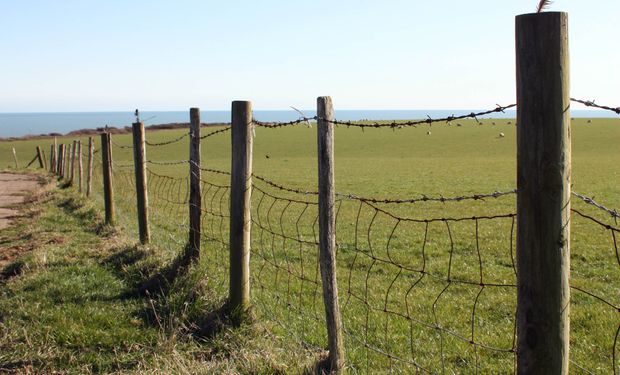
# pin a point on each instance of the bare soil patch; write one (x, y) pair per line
(14, 189)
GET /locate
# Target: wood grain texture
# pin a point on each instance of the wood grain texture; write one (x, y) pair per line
(80, 166)
(89, 172)
(240, 195)
(142, 195)
(327, 232)
(543, 197)
(106, 167)
(195, 199)
(61, 158)
(52, 159)
(72, 162)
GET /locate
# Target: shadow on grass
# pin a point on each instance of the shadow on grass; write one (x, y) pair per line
(87, 216)
(161, 282)
(12, 270)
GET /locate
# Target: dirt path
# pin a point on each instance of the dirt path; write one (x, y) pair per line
(14, 188)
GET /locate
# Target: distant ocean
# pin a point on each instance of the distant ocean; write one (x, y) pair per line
(19, 124)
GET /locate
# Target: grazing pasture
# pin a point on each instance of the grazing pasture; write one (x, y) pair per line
(424, 282)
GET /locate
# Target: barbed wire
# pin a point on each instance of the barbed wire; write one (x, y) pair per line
(272, 125)
(590, 103)
(428, 120)
(177, 162)
(165, 143)
(122, 146)
(215, 132)
(389, 124)
(613, 212)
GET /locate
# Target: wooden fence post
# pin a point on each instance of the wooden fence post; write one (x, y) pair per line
(240, 195)
(195, 199)
(89, 173)
(80, 166)
(72, 169)
(39, 157)
(63, 147)
(327, 232)
(108, 192)
(543, 193)
(61, 159)
(15, 158)
(44, 159)
(54, 156)
(52, 160)
(139, 160)
(67, 163)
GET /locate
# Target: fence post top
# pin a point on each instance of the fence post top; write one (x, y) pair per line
(543, 15)
(241, 102)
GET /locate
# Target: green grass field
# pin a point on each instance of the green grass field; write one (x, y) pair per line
(436, 295)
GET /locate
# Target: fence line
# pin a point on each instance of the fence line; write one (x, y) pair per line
(401, 326)
(422, 288)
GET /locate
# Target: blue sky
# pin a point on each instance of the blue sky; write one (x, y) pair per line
(171, 55)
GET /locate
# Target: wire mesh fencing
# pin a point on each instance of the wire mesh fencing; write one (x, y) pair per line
(427, 283)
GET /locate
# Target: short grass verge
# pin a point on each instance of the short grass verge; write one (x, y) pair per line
(70, 305)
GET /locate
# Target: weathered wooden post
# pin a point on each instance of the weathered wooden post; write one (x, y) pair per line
(240, 195)
(195, 199)
(52, 160)
(54, 156)
(89, 173)
(67, 162)
(40, 157)
(15, 158)
(61, 159)
(44, 159)
(80, 166)
(139, 159)
(72, 169)
(108, 192)
(327, 232)
(543, 193)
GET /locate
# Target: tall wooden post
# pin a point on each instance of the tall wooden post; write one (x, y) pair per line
(89, 173)
(72, 169)
(52, 159)
(54, 156)
(67, 162)
(194, 180)
(59, 161)
(240, 194)
(80, 166)
(15, 158)
(139, 159)
(108, 192)
(543, 193)
(327, 232)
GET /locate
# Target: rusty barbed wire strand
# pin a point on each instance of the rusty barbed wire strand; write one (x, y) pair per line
(401, 124)
(423, 198)
(391, 124)
(165, 143)
(613, 212)
(590, 103)
(275, 124)
(122, 146)
(215, 132)
(176, 162)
